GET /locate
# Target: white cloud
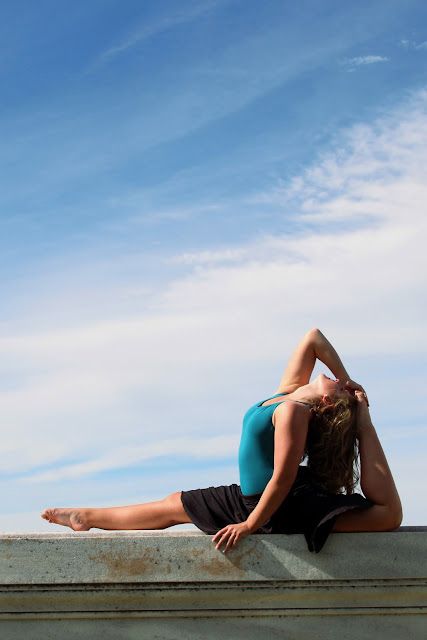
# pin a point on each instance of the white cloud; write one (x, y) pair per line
(367, 60)
(209, 257)
(358, 61)
(412, 44)
(117, 458)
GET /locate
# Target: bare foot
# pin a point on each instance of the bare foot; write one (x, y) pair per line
(73, 518)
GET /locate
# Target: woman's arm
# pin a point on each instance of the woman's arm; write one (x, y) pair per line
(290, 433)
(314, 346)
(376, 482)
(291, 426)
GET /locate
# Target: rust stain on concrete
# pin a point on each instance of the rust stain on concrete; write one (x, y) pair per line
(130, 563)
(225, 564)
(216, 567)
(7, 542)
(233, 564)
(120, 565)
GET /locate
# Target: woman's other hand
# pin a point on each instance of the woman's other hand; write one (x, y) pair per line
(354, 387)
(230, 535)
(363, 416)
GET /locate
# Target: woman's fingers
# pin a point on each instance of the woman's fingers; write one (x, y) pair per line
(220, 537)
(218, 534)
(361, 397)
(226, 537)
(362, 407)
(232, 541)
(351, 385)
(355, 387)
(230, 535)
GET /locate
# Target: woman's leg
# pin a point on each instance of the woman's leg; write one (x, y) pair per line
(376, 482)
(153, 515)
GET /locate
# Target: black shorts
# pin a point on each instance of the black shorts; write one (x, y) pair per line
(306, 509)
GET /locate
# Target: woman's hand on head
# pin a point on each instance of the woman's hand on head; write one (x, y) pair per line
(363, 416)
(230, 535)
(361, 399)
(354, 388)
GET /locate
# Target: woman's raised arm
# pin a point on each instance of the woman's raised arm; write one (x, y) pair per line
(314, 346)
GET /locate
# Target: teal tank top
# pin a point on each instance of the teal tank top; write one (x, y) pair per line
(256, 451)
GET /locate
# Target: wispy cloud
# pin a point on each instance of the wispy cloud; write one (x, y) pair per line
(353, 63)
(413, 44)
(147, 31)
(207, 91)
(209, 257)
(196, 448)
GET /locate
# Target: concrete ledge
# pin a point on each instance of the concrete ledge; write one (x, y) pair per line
(173, 584)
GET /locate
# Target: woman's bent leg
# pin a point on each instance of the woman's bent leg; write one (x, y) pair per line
(376, 482)
(153, 515)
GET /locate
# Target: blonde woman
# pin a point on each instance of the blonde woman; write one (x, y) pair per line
(327, 423)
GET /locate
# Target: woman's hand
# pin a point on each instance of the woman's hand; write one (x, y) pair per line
(354, 387)
(231, 534)
(364, 421)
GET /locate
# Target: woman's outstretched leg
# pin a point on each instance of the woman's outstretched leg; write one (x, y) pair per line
(153, 515)
(376, 482)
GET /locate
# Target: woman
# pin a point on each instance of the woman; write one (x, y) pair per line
(327, 421)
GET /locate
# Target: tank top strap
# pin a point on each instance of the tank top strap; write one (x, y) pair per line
(276, 395)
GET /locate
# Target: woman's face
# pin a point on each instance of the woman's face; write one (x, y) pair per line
(329, 386)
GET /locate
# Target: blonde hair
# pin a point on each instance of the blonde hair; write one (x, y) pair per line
(331, 447)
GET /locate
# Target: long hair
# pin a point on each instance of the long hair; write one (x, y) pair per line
(331, 447)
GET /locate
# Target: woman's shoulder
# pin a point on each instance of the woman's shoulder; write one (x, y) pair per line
(292, 411)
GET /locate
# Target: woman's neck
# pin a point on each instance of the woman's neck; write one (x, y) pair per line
(303, 394)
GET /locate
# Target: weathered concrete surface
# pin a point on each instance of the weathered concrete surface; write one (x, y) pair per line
(175, 584)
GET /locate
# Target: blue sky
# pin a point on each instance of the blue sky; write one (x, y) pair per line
(186, 188)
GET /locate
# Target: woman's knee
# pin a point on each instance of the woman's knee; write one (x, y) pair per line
(175, 509)
(395, 517)
(173, 499)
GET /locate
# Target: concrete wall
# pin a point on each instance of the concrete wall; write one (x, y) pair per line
(175, 584)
